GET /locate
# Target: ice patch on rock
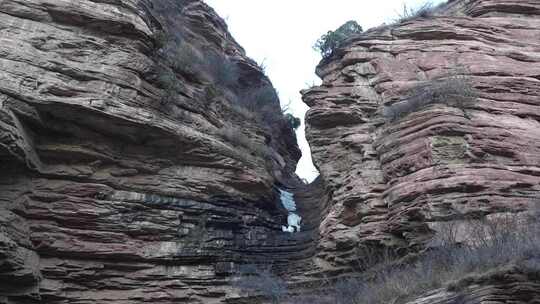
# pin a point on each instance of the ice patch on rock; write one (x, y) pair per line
(293, 219)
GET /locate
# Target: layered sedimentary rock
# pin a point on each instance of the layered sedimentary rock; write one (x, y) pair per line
(392, 182)
(131, 173)
(118, 184)
(509, 283)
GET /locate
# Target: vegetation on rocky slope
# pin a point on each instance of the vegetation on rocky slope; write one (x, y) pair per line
(133, 168)
(180, 59)
(219, 78)
(453, 90)
(503, 243)
(424, 10)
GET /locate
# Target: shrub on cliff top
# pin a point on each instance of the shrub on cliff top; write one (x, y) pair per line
(409, 13)
(189, 59)
(261, 103)
(332, 40)
(426, 10)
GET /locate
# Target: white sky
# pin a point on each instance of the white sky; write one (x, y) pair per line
(281, 34)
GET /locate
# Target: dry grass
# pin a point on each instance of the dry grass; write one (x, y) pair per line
(238, 139)
(187, 61)
(257, 98)
(426, 10)
(256, 280)
(453, 90)
(492, 243)
(243, 112)
(223, 71)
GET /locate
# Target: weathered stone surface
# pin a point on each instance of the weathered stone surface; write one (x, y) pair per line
(516, 284)
(388, 182)
(110, 195)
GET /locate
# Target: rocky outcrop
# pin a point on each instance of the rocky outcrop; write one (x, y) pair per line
(128, 172)
(137, 163)
(392, 182)
(515, 283)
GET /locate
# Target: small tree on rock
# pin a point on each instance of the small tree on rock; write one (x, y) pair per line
(293, 121)
(332, 40)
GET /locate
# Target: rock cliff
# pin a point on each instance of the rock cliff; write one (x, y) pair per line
(142, 153)
(129, 170)
(394, 182)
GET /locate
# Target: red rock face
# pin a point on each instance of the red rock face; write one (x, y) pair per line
(390, 181)
(108, 194)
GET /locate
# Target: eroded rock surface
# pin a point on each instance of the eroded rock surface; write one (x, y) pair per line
(391, 182)
(112, 193)
(131, 176)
